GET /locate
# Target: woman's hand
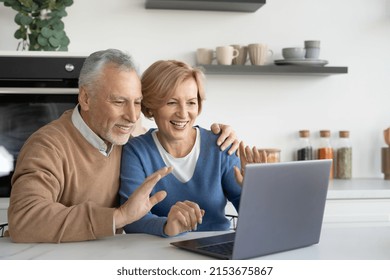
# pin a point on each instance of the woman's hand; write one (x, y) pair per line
(228, 137)
(183, 216)
(247, 156)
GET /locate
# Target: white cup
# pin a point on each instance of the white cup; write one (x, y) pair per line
(312, 49)
(312, 53)
(242, 57)
(225, 55)
(259, 53)
(205, 56)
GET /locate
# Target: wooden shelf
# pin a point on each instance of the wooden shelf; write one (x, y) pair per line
(273, 70)
(248, 6)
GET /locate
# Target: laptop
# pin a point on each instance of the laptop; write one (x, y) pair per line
(281, 208)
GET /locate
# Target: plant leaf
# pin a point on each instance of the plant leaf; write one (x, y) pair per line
(46, 32)
(17, 18)
(59, 34)
(54, 42)
(16, 6)
(27, 3)
(26, 20)
(40, 23)
(68, 3)
(11, 3)
(65, 41)
(20, 34)
(42, 41)
(59, 26)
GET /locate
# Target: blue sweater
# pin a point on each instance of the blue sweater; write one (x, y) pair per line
(213, 182)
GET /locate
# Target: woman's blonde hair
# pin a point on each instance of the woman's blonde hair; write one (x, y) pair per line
(161, 80)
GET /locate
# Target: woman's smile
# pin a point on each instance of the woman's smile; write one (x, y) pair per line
(179, 124)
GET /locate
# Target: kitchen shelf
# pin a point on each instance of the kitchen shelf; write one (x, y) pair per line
(273, 70)
(248, 6)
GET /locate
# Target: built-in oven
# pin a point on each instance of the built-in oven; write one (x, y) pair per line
(34, 90)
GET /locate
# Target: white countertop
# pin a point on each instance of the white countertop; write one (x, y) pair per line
(338, 241)
(359, 189)
(344, 242)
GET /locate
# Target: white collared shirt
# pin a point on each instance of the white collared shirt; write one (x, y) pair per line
(88, 134)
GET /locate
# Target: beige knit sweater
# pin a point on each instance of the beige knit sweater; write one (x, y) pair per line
(63, 189)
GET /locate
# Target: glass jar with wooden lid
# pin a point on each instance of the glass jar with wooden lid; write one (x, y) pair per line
(325, 149)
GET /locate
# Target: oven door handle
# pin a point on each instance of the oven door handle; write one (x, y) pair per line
(41, 90)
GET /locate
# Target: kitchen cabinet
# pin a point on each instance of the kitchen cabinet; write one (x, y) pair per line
(358, 201)
(355, 201)
(364, 211)
(248, 6)
(273, 70)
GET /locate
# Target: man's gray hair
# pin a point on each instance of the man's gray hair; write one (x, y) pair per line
(94, 64)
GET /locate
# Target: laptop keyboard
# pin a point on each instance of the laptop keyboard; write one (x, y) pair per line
(225, 249)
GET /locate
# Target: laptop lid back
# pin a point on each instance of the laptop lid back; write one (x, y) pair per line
(281, 207)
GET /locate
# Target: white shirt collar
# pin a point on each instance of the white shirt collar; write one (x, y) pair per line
(88, 134)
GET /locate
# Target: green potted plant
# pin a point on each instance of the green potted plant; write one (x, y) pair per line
(40, 24)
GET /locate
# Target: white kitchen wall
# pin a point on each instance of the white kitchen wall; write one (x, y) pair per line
(266, 111)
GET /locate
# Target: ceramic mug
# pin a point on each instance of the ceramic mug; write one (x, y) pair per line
(205, 56)
(242, 57)
(312, 53)
(225, 55)
(259, 53)
(312, 49)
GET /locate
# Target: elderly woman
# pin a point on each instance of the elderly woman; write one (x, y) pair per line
(203, 176)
